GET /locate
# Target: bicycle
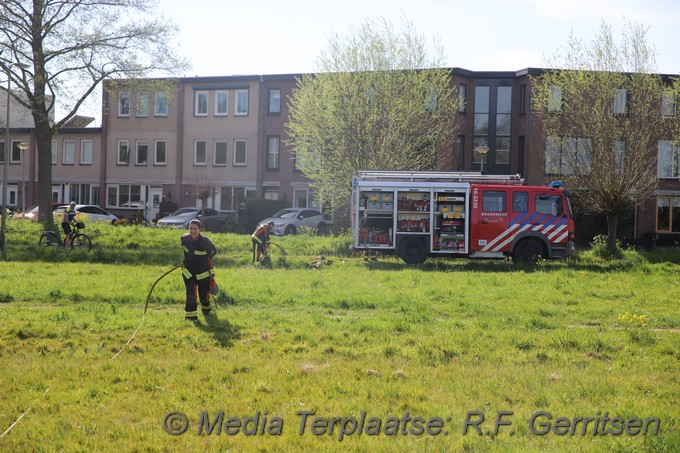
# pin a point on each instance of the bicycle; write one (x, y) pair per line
(78, 239)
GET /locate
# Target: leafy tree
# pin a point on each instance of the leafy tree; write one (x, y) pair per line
(378, 102)
(69, 47)
(601, 116)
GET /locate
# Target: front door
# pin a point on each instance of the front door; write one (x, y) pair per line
(154, 204)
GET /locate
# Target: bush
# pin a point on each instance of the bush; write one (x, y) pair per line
(599, 248)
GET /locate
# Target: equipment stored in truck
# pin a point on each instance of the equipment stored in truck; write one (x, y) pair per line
(416, 215)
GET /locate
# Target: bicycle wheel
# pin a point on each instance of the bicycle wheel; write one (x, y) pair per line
(80, 240)
(48, 238)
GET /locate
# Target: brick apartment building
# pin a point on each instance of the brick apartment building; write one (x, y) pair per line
(229, 133)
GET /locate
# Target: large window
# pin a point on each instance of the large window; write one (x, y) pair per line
(668, 214)
(123, 152)
(201, 103)
(200, 152)
(86, 152)
(620, 102)
(567, 155)
(481, 123)
(220, 153)
(273, 153)
(160, 152)
(503, 109)
(555, 99)
(123, 194)
(668, 103)
(69, 157)
(143, 105)
(668, 163)
(241, 102)
(221, 103)
(142, 152)
(239, 153)
(274, 101)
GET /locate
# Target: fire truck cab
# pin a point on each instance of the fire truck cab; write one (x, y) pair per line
(456, 214)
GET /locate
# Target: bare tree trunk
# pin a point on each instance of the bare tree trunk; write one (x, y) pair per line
(612, 223)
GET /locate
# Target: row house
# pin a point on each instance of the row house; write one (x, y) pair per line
(227, 137)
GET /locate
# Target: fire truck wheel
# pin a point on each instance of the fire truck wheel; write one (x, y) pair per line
(413, 251)
(528, 251)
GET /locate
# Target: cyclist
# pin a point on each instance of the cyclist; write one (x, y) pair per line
(67, 220)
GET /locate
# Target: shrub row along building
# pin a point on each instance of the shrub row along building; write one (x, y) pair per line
(164, 144)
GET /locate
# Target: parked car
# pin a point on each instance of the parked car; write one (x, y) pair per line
(32, 213)
(94, 213)
(289, 221)
(211, 219)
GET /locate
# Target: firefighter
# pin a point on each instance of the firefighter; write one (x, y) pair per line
(261, 240)
(67, 220)
(197, 270)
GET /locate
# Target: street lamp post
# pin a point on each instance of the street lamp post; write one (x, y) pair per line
(7, 153)
(24, 157)
(482, 150)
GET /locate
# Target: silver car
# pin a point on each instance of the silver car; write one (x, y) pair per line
(94, 213)
(289, 221)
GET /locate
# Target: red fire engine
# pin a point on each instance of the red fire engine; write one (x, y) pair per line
(421, 214)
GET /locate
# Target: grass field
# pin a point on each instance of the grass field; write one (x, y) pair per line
(359, 355)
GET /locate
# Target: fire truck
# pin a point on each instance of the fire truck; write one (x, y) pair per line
(416, 215)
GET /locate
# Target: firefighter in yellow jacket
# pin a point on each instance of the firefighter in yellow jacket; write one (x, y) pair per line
(197, 269)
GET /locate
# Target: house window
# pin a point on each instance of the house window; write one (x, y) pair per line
(239, 152)
(273, 153)
(555, 99)
(620, 102)
(668, 163)
(15, 157)
(86, 152)
(220, 153)
(123, 104)
(2, 152)
(274, 101)
(241, 102)
(142, 152)
(143, 105)
(201, 103)
(668, 100)
(69, 152)
(123, 194)
(568, 155)
(296, 162)
(161, 108)
(123, 152)
(271, 192)
(160, 152)
(300, 198)
(200, 152)
(619, 155)
(53, 152)
(221, 103)
(503, 117)
(431, 98)
(462, 94)
(523, 99)
(668, 214)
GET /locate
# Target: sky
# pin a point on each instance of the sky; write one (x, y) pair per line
(286, 37)
(237, 37)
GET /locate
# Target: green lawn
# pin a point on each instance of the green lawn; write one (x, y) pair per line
(358, 355)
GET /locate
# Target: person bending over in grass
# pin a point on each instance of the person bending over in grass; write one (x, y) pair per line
(197, 270)
(261, 240)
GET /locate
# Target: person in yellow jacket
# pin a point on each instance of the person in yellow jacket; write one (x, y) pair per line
(261, 240)
(197, 269)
